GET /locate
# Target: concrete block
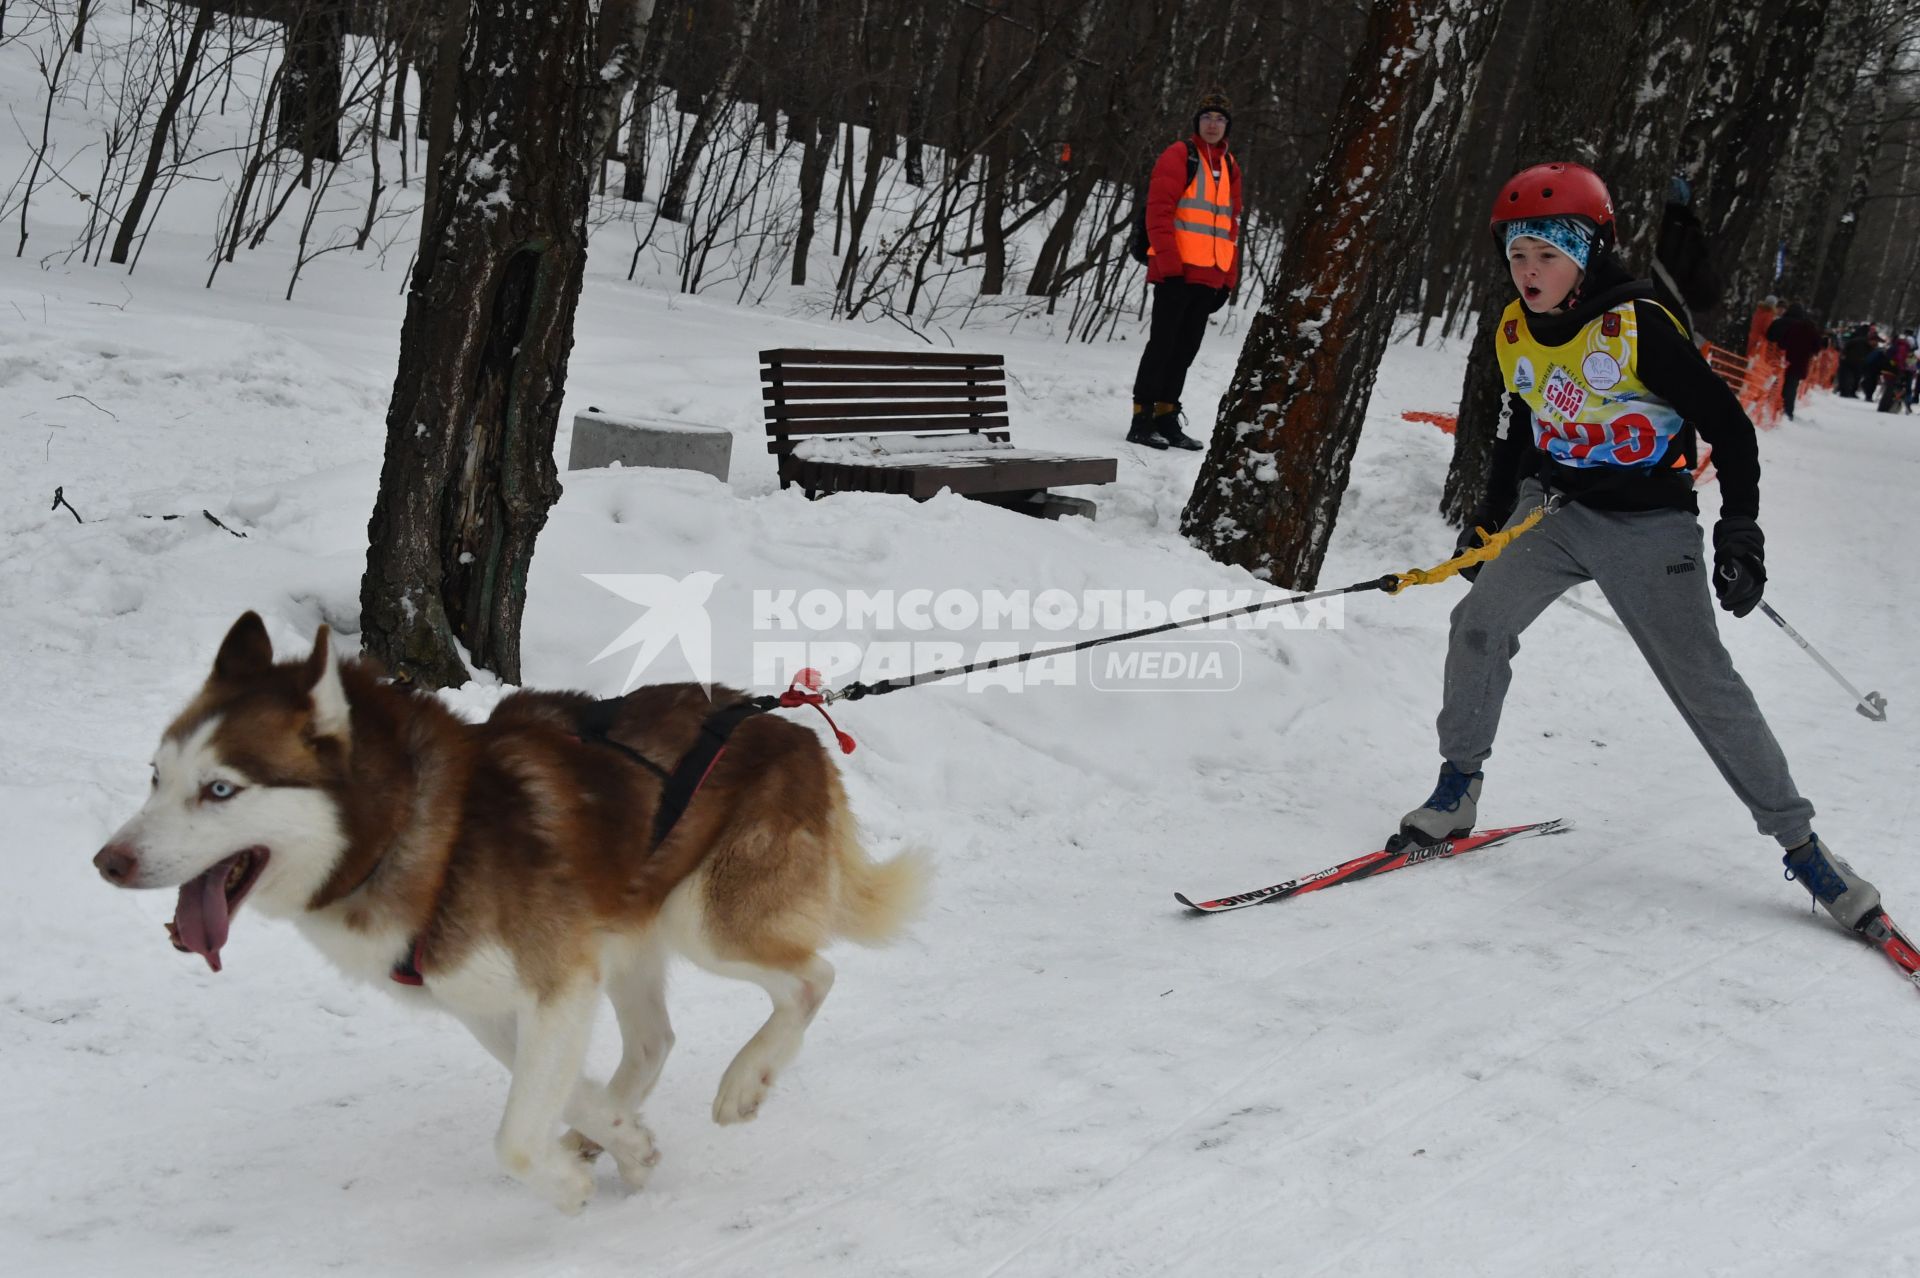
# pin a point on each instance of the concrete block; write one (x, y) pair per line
(601, 438)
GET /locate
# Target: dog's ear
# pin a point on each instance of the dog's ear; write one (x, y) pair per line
(321, 674)
(246, 652)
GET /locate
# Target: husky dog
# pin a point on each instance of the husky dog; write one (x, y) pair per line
(506, 872)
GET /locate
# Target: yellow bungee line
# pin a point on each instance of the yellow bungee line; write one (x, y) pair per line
(1491, 544)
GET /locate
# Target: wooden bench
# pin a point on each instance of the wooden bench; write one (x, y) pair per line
(913, 424)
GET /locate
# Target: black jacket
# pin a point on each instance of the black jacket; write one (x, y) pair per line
(1672, 369)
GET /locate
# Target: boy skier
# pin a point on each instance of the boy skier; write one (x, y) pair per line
(1605, 393)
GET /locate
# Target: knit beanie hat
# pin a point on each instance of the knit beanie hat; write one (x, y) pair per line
(1213, 100)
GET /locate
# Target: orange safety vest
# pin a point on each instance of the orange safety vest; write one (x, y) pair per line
(1203, 220)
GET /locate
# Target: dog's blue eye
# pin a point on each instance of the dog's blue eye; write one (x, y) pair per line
(221, 790)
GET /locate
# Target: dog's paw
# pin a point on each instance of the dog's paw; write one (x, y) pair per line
(741, 1091)
(568, 1185)
(581, 1146)
(634, 1153)
(555, 1173)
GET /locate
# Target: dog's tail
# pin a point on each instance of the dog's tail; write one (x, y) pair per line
(878, 899)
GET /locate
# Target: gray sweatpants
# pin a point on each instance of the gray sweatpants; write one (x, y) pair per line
(1654, 570)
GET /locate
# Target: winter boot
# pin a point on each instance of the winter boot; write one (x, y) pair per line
(1846, 896)
(1166, 424)
(1141, 431)
(1448, 813)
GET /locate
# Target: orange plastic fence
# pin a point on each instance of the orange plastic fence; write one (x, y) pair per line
(1755, 380)
(1445, 421)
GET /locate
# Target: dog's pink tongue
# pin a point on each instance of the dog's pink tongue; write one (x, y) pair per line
(200, 918)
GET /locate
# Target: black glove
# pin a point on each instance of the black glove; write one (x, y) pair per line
(1469, 537)
(1220, 296)
(1739, 564)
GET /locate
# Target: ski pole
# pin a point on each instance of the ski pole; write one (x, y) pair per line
(1872, 706)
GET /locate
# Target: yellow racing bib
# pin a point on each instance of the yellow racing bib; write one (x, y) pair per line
(1589, 406)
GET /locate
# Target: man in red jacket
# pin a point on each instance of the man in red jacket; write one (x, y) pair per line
(1193, 264)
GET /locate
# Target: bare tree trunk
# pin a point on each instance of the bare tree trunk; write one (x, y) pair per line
(993, 214)
(718, 99)
(815, 156)
(1643, 138)
(469, 472)
(439, 101)
(659, 39)
(1751, 141)
(1270, 488)
(1053, 249)
(310, 96)
(183, 77)
(1814, 170)
(857, 222)
(1833, 268)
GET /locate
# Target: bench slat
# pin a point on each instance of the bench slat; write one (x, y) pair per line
(871, 425)
(796, 374)
(881, 359)
(958, 393)
(924, 481)
(994, 408)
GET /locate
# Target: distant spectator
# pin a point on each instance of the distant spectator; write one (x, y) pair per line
(1876, 364)
(1684, 280)
(1855, 346)
(1193, 263)
(1896, 388)
(1801, 338)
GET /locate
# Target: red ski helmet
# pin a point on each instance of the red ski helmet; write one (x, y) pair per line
(1555, 190)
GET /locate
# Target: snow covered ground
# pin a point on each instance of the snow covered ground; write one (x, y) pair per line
(1629, 1050)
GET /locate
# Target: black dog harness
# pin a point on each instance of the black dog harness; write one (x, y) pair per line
(678, 786)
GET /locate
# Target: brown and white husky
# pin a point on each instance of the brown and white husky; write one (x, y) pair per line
(505, 872)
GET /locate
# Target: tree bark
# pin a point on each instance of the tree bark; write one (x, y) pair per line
(162, 130)
(1814, 168)
(673, 204)
(659, 39)
(1053, 249)
(816, 154)
(310, 93)
(1270, 488)
(1749, 142)
(1833, 267)
(469, 473)
(1649, 118)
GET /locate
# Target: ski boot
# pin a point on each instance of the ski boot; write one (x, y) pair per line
(1851, 900)
(1448, 813)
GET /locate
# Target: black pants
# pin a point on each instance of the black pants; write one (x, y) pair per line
(1791, 388)
(1180, 313)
